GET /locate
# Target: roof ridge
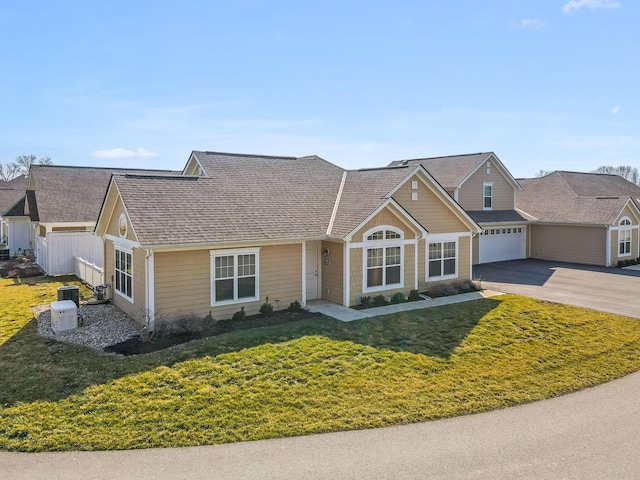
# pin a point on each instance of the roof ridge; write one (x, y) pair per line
(105, 168)
(443, 156)
(246, 155)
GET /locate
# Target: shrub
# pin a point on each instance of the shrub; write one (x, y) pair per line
(620, 263)
(365, 301)
(209, 321)
(452, 288)
(182, 326)
(380, 300)
(239, 315)
(295, 307)
(398, 297)
(414, 296)
(266, 308)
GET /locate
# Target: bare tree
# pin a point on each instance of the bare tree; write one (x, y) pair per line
(543, 173)
(625, 171)
(21, 166)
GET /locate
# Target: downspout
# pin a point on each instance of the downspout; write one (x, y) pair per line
(346, 273)
(304, 273)
(608, 247)
(149, 271)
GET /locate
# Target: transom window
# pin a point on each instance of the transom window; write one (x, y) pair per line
(123, 270)
(487, 198)
(383, 260)
(442, 259)
(234, 276)
(624, 237)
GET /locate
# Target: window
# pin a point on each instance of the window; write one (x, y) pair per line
(487, 196)
(234, 276)
(383, 260)
(442, 260)
(124, 273)
(624, 237)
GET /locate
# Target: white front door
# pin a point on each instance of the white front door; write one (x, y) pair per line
(312, 270)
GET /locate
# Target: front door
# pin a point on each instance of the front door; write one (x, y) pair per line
(312, 270)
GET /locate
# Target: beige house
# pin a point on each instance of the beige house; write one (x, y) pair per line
(235, 229)
(485, 188)
(584, 218)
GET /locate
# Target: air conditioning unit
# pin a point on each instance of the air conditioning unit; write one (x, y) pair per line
(64, 315)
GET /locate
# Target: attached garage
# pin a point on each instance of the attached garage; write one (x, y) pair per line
(503, 243)
(569, 243)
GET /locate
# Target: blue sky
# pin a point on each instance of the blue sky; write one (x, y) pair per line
(544, 84)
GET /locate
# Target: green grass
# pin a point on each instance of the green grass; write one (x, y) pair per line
(315, 375)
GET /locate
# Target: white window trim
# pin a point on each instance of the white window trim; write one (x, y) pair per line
(368, 244)
(487, 184)
(439, 239)
(129, 251)
(212, 274)
(622, 229)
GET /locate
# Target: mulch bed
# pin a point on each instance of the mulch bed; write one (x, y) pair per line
(136, 346)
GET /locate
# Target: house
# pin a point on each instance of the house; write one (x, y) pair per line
(62, 204)
(584, 218)
(14, 224)
(234, 229)
(487, 191)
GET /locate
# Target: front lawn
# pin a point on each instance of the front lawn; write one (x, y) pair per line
(315, 375)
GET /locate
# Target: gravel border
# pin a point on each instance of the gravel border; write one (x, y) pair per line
(102, 325)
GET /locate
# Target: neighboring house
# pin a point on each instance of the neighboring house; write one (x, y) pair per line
(581, 217)
(63, 204)
(235, 229)
(483, 186)
(14, 224)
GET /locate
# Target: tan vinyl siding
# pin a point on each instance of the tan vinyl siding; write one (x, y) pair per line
(137, 309)
(112, 228)
(384, 217)
(332, 284)
(183, 282)
(476, 250)
(71, 229)
(627, 211)
(464, 267)
(615, 245)
(470, 196)
(430, 210)
(566, 243)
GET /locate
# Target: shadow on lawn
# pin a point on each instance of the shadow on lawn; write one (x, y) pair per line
(33, 368)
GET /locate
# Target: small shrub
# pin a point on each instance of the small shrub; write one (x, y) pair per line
(627, 263)
(620, 263)
(239, 315)
(266, 308)
(209, 321)
(380, 301)
(414, 296)
(295, 307)
(365, 301)
(182, 326)
(398, 297)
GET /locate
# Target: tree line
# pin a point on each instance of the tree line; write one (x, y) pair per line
(9, 171)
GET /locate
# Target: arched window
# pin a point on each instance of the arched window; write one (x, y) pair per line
(624, 237)
(383, 258)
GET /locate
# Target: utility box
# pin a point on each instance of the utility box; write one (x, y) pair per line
(64, 315)
(71, 292)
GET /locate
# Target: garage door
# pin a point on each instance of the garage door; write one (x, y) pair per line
(504, 243)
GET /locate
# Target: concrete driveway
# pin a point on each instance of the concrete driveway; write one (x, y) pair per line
(611, 290)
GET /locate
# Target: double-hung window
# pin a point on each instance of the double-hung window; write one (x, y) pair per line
(383, 260)
(124, 272)
(624, 237)
(234, 276)
(487, 195)
(442, 260)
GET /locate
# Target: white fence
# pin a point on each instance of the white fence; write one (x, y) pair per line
(88, 272)
(56, 253)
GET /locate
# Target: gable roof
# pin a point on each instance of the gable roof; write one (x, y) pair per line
(452, 171)
(12, 195)
(64, 194)
(574, 197)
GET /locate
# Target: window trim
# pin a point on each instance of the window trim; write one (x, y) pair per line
(384, 243)
(441, 241)
(236, 252)
(128, 251)
(484, 196)
(625, 228)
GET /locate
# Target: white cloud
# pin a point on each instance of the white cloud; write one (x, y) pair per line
(590, 4)
(122, 153)
(615, 110)
(532, 23)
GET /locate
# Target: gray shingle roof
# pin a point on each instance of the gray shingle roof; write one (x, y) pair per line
(448, 171)
(495, 216)
(12, 195)
(573, 197)
(74, 194)
(244, 197)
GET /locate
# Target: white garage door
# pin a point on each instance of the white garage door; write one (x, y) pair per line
(504, 243)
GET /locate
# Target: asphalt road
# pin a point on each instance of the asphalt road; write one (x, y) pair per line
(611, 290)
(592, 434)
